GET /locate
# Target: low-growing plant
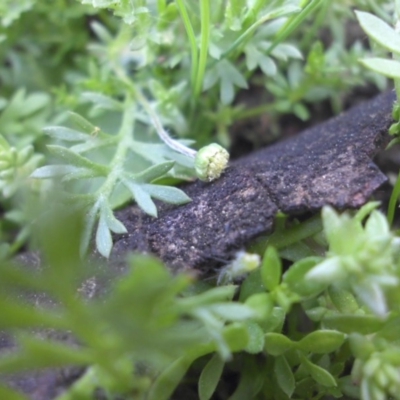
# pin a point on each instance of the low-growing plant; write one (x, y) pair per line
(328, 325)
(100, 103)
(389, 39)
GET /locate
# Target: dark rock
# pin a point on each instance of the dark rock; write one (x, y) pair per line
(328, 164)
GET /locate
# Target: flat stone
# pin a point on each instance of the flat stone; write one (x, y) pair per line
(330, 163)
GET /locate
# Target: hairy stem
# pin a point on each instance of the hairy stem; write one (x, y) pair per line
(139, 96)
(117, 163)
(172, 143)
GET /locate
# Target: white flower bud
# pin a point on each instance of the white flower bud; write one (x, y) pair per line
(210, 162)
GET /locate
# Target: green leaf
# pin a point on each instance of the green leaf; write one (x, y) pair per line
(103, 237)
(320, 375)
(168, 194)
(251, 285)
(141, 197)
(366, 210)
(267, 65)
(252, 56)
(24, 154)
(10, 394)
(112, 222)
(78, 174)
(389, 68)
(16, 315)
(37, 353)
(377, 226)
(284, 51)
(252, 378)
(276, 320)
(379, 31)
(76, 159)
(210, 377)
(12, 11)
(67, 134)
(53, 171)
(277, 344)
(271, 269)
(371, 294)
(256, 338)
(305, 387)
(154, 172)
(89, 221)
(262, 304)
(332, 224)
(83, 124)
(102, 101)
(361, 346)
(255, 58)
(169, 379)
(102, 33)
(343, 300)
(392, 356)
(33, 103)
(236, 336)
(229, 72)
(364, 324)
(229, 77)
(295, 277)
(301, 111)
(232, 311)
(391, 328)
(328, 271)
(210, 79)
(284, 375)
(321, 341)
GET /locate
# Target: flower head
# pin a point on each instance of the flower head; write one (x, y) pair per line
(210, 162)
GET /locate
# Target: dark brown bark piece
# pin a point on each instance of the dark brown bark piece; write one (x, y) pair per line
(327, 164)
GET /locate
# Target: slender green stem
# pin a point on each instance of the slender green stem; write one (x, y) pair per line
(319, 20)
(272, 15)
(205, 40)
(397, 89)
(289, 236)
(118, 161)
(84, 386)
(296, 233)
(254, 111)
(192, 40)
(393, 201)
(253, 12)
(294, 22)
(377, 9)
